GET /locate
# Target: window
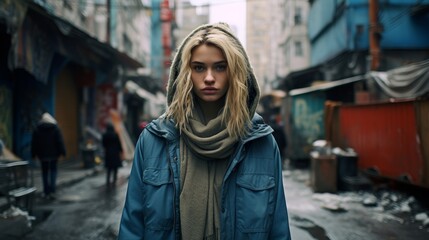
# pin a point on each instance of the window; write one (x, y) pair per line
(128, 45)
(298, 49)
(298, 16)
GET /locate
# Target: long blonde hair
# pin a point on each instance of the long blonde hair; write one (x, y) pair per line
(235, 114)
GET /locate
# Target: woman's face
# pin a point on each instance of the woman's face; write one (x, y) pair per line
(209, 73)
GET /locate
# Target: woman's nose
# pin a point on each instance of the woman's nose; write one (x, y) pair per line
(209, 77)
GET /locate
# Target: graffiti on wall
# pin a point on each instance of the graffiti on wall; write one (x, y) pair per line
(308, 120)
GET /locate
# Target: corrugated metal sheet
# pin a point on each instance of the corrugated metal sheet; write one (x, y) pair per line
(385, 136)
(422, 116)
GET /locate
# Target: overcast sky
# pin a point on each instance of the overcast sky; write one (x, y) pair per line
(232, 12)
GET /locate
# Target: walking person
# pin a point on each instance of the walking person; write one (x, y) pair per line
(280, 137)
(209, 167)
(112, 154)
(47, 145)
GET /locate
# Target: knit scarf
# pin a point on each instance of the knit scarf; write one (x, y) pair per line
(204, 155)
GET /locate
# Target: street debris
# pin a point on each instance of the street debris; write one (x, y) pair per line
(14, 212)
(383, 217)
(370, 201)
(423, 217)
(387, 205)
(331, 202)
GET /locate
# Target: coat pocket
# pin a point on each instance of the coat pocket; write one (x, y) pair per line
(158, 199)
(255, 202)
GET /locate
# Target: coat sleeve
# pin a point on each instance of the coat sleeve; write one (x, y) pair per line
(280, 228)
(132, 225)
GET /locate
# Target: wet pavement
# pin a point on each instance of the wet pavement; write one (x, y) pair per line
(370, 215)
(86, 209)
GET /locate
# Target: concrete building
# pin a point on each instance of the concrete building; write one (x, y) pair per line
(56, 58)
(292, 46)
(277, 39)
(258, 24)
(188, 17)
(124, 24)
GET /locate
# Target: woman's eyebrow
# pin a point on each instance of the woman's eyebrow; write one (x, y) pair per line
(215, 63)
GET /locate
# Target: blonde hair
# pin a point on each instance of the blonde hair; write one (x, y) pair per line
(235, 114)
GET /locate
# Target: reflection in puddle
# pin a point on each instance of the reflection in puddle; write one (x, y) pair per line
(309, 226)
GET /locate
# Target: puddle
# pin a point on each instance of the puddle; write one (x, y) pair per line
(309, 226)
(41, 215)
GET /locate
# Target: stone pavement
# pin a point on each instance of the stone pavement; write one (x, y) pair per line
(14, 222)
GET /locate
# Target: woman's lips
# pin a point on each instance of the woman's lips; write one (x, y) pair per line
(209, 91)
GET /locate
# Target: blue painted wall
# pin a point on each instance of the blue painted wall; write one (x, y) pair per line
(307, 125)
(156, 42)
(333, 27)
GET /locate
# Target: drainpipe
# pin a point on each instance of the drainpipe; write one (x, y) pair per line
(109, 5)
(374, 34)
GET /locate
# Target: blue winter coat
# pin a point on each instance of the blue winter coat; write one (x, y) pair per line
(252, 204)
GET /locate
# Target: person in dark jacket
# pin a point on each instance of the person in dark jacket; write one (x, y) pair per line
(112, 153)
(280, 137)
(47, 146)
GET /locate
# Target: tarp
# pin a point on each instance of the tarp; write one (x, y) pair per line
(409, 81)
(327, 85)
(134, 88)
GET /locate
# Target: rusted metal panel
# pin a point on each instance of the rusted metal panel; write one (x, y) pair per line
(422, 117)
(386, 138)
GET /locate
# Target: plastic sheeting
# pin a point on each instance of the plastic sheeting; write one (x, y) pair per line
(409, 81)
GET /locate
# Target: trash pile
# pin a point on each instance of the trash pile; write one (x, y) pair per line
(14, 212)
(386, 204)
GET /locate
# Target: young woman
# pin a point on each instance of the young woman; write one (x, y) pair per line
(209, 168)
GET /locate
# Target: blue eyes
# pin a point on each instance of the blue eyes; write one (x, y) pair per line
(220, 68)
(201, 68)
(198, 68)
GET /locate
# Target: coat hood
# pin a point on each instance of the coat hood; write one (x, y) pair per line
(47, 118)
(252, 84)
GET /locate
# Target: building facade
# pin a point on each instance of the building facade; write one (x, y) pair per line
(187, 18)
(258, 42)
(55, 61)
(293, 46)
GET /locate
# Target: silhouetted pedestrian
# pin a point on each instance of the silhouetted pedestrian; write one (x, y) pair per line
(48, 146)
(112, 153)
(280, 137)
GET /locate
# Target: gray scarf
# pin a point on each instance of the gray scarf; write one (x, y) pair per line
(204, 155)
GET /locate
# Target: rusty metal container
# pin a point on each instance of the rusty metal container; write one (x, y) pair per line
(323, 173)
(388, 138)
